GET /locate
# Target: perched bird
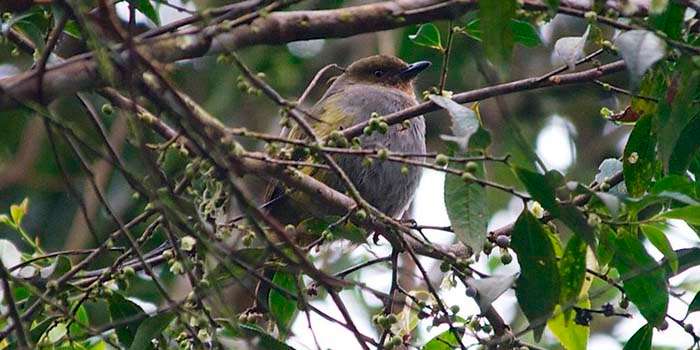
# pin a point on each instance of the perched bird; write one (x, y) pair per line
(378, 84)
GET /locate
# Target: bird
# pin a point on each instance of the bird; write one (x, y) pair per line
(374, 85)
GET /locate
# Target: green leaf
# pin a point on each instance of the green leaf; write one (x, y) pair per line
(658, 238)
(145, 7)
(687, 147)
(57, 332)
(687, 258)
(427, 35)
(670, 21)
(538, 286)
(572, 267)
(538, 187)
(75, 329)
(606, 245)
(497, 33)
(641, 340)
(282, 308)
(121, 308)
(677, 108)
(644, 283)
(443, 341)
(571, 335)
(151, 328)
(552, 4)
(694, 305)
(347, 230)
(71, 28)
(266, 341)
(541, 188)
(40, 328)
(640, 49)
(525, 33)
(17, 211)
(640, 157)
(464, 121)
(467, 210)
(690, 214)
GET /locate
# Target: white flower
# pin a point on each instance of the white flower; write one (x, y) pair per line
(187, 243)
(536, 209)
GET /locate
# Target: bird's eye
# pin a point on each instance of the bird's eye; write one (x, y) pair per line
(378, 73)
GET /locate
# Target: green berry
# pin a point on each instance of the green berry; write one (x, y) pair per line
(361, 215)
(441, 160)
(383, 154)
(404, 169)
(467, 177)
(506, 258)
(107, 109)
(129, 272)
(383, 128)
(471, 167)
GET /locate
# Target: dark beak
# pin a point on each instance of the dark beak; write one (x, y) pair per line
(413, 69)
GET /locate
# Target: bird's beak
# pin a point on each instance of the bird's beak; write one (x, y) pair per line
(413, 69)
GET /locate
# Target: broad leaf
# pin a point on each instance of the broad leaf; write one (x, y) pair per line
(644, 283)
(151, 328)
(640, 49)
(523, 32)
(265, 340)
(571, 335)
(541, 188)
(538, 187)
(641, 340)
(120, 309)
(427, 35)
(9, 254)
(640, 157)
(570, 49)
(687, 147)
(677, 109)
(538, 286)
(694, 305)
(464, 121)
(314, 227)
(498, 35)
(667, 18)
(490, 288)
(145, 7)
(572, 267)
(690, 214)
(443, 341)
(658, 238)
(467, 211)
(283, 308)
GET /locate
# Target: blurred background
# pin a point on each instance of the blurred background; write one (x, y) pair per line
(562, 125)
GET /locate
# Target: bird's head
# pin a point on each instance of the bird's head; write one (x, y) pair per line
(385, 70)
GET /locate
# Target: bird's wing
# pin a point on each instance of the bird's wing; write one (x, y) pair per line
(326, 116)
